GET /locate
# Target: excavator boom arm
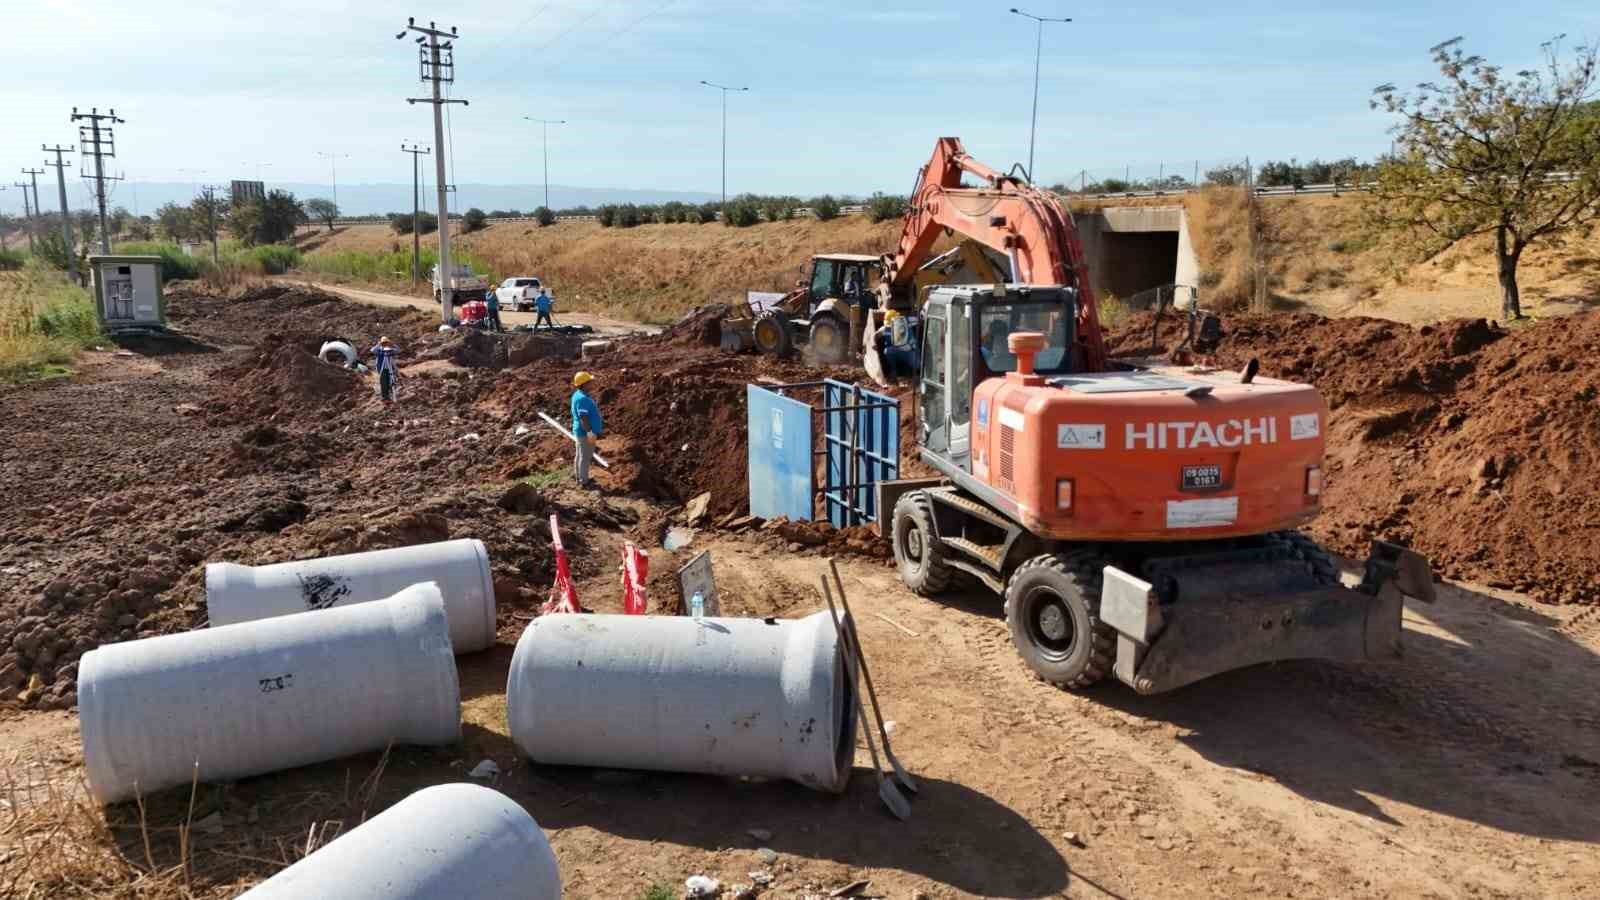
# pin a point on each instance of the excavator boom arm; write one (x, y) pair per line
(1029, 226)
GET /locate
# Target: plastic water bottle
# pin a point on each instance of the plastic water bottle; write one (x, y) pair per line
(697, 605)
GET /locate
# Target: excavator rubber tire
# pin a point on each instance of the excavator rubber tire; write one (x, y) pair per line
(830, 340)
(1047, 594)
(918, 555)
(772, 334)
(1301, 546)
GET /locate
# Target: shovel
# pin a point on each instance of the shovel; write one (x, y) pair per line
(900, 774)
(887, 792)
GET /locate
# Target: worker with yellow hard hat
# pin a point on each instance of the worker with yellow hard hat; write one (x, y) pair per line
(586, 425)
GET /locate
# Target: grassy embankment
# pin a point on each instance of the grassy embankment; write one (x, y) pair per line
(45, 322)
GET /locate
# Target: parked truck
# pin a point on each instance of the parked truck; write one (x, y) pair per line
(464, 283)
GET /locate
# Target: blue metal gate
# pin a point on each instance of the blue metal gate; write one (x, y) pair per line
(860, 436)
(780, 455)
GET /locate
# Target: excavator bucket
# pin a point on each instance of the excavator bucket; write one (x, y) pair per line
(1227, 610)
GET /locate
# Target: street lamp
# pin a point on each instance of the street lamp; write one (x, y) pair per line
(724, 89)
(545, 126)
(333, 164)
(1037, 51)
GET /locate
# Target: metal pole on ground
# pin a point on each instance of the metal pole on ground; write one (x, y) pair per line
(724, 89)
(27, 212)
(417, 152)
(99, 141)
(545, 126)
(438, 68)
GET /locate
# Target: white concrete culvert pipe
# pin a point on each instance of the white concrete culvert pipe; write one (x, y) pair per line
(450, 840)
(236, 593)
(764, 697)
(248, 699)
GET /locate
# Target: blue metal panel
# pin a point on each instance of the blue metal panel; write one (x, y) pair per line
(861, 431)
(780, 455)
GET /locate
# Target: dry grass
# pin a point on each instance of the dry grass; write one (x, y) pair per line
(56, 842)
(44, 323)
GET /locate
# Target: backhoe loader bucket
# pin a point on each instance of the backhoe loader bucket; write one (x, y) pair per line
(1226, 611)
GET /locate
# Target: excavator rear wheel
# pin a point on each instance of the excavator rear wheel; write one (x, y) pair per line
(772, 335)
(830, 339)
(1053, 613)
(918, 555)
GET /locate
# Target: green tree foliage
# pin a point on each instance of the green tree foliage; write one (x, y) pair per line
(1483, 152)
(825, 208)
(706, 213)
(627, 216)
(325, 211)
(545, 216)
(885, 206)
(474, 219)
(208, 216)
(779, 209)
(267, 221)
(402, 222)
(176, 223)
(1227, 176)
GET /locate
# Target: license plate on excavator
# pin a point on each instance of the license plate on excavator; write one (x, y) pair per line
(1200, 478)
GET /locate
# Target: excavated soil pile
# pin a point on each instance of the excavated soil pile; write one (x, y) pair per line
(701, 325)
(281, 381)
(477, 349)
(1472, 444)
(243, 317)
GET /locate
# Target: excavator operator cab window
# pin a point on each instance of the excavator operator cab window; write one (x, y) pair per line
(823, 275)
(997, 321)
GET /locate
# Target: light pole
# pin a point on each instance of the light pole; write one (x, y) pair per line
(333, 164)
(545, 125)
(724, 89)
(1038, 50)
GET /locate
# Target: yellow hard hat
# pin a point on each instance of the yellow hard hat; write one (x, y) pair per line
(891, 315)
(581, 379)
(383, 340)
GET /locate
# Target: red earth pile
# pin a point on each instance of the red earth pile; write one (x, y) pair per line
(1473, 444)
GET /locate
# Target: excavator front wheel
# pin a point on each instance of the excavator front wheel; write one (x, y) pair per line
(918, 555)
(1053, 613)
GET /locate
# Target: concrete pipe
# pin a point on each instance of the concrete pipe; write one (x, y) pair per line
(450, 840)
(236, 593)
(247, 699)
(719, 696)
(338, 353)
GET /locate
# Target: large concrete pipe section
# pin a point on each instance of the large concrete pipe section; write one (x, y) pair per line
(450, 840)
(247, 699)
(236, 593)
(721, 696)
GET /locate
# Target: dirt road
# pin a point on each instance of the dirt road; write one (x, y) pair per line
(1471, 769)
(601, 324)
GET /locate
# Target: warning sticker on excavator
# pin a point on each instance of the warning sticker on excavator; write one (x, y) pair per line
(1081, 437)
(1207, 513)
(1303, 427)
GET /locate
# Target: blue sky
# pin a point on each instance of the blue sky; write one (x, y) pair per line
(844, 97)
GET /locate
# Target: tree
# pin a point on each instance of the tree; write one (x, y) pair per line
(266, 221)
(176, 222)
(1227, 176)
(119, 219)
(1481, 152)
(825, 208)
(325, 210)
(1280, 174)
(706, 213)
(207, 216)
(884, 206)
(607, 215)
(545, 216)
(474, 219)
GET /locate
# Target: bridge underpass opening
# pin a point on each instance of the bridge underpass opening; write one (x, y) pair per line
(1137, 261)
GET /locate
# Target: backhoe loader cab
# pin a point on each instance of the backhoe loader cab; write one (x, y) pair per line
(1139, 520)
(817, 311)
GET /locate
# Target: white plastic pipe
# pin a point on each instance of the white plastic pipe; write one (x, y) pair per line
(450, 840)
(248, 699)
(720, 696)
(236, 593)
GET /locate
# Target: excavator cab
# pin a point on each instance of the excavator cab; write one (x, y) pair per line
(966, 331)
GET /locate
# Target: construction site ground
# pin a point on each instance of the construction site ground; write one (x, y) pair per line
(1469, 769)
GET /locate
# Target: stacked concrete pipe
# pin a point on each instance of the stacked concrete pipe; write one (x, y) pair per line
(721, 696)
(248, 699)
(236, 593)
(450, 840)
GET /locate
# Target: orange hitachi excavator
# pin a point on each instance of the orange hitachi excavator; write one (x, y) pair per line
(1138, 518)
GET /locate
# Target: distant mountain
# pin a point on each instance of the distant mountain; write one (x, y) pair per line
(377, 199)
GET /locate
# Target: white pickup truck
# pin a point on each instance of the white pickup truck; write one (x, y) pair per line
(465, 283)
(519, 293)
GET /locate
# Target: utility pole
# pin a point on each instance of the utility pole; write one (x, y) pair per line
(1258, 299)
(27, 212)
(33, 176)
(724, 89)
(417, 152)
(545, 124)
(1038, 51)
(438, 67)
(66, 217)
(210, 193)
(98, 140)
(333, 161)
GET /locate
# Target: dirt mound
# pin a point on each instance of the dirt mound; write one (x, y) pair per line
(474, 348)
(1471, 443)
(701, 325)
(284, 380)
